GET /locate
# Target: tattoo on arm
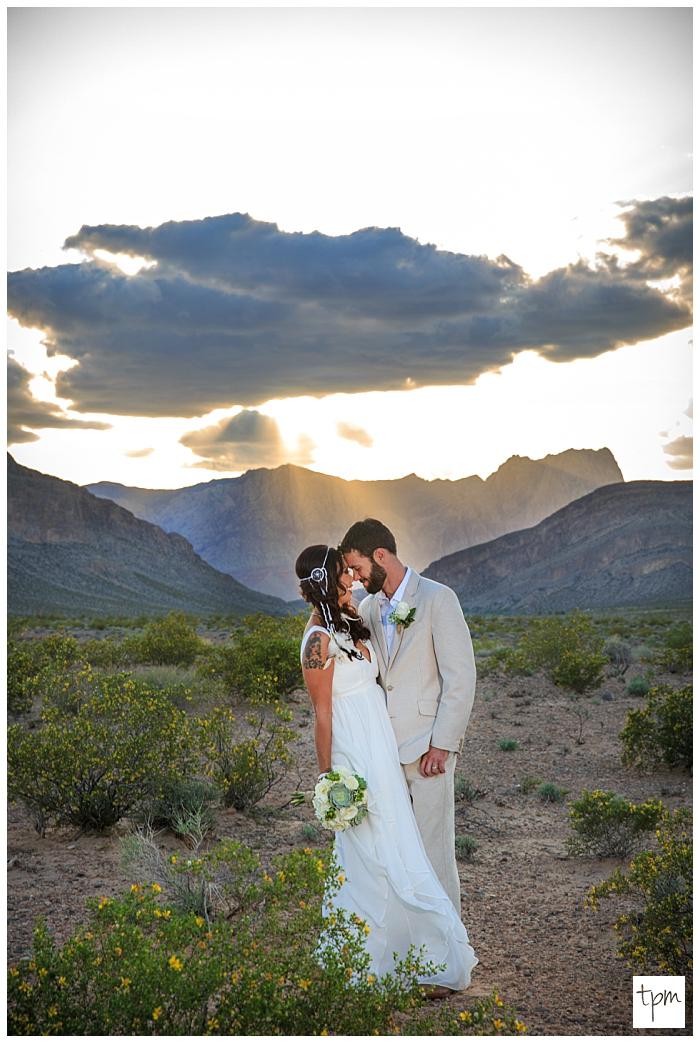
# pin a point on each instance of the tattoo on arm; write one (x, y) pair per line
(312, 653)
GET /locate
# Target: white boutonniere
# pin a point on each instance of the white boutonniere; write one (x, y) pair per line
(402, 615)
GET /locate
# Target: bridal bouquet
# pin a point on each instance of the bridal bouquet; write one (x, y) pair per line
(339, 798)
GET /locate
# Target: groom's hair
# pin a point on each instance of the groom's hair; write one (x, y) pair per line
(366, 536)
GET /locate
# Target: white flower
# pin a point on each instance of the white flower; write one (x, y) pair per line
(341, 770)
(351, 782)
(401, 611)
(346, 814)
(322, 787)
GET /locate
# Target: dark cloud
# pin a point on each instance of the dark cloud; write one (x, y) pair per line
(248, 439)
(234, 311)
(662, 231)
(681, 450)
(24, 411)
(355, 434)
(137, 454)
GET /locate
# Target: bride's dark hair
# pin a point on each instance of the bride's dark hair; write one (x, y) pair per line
(322, 592)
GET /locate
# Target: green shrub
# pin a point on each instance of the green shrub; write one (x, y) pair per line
(170, 641)
(263, 668)
(659, 929)
(310, 833)
(109, 653)
(465, 848)
(619, 655)
(677, 656)
(548, 791)
(34, 666)
(568, 650)
(247, 769)
(528, 783)
(184, 804)
(608, 826)
(465, 791)
(662, 732)
(638, 686)
(141, 968)
(508, 744)
(23, 668)
(110, 758)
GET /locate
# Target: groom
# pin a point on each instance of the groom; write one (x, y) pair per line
(427, 671)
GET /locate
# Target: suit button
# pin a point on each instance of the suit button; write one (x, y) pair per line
(390, 688)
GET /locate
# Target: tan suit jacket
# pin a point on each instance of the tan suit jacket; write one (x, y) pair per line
(429, 680)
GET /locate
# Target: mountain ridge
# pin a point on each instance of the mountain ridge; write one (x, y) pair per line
(622, 544)
(222, 517)
(72, 552)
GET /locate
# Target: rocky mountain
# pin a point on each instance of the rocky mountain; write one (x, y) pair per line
(254, 526)
(72, 552)
(623, 544)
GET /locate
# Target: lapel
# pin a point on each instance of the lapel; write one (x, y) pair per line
(409, 596)
(375, 617)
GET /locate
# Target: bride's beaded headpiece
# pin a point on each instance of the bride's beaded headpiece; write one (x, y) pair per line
(320, 576)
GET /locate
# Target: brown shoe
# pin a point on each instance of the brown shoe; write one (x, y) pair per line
(436, 992)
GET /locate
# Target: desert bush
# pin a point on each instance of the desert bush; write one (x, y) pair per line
(465, 791)
(659, 883)
(170, 641)
(662, 732)
(112, 757)
(569, 650)
(619, 655)
(184, 805)
(638, 686)
(23, 669)
(677, 656)
(549, 791)
(528, 783)
(608, 826)
(109, 653)
(507, 744)
(465, 848)
(493, 663)
(291, 627)
(310, 833)
(278, 968)
(245, 770)
(34, 666)
(264, 668)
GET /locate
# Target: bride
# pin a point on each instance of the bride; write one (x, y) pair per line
(388, 879)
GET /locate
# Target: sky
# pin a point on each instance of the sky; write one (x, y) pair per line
(367, 241)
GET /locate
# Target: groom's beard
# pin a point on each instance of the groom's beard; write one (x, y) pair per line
(376, 579)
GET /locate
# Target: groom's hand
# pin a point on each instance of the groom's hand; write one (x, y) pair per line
(433, 762)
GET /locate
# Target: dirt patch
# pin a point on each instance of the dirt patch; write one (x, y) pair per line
(522, 896)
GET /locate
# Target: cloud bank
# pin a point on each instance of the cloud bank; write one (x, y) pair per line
(235, 311)
(24, 411)
(248, 439)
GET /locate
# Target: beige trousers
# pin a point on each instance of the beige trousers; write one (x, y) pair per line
(434, 807)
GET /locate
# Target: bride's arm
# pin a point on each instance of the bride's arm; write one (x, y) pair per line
(319, 682)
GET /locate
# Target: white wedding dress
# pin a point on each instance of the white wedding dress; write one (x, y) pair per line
(388, 880)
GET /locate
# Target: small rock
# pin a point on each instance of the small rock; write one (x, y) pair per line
(607, 697)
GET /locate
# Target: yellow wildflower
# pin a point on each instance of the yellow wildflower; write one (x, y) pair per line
(304, 983)
(157, 888)
(175, 963)
(157, 1013)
